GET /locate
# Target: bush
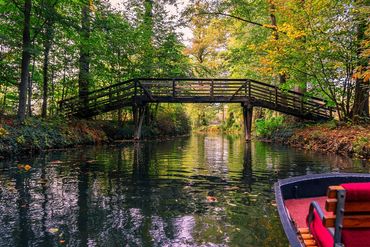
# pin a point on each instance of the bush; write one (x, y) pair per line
(173, 121)
(266, 127)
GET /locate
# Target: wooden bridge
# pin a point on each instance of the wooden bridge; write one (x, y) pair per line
(136, 93)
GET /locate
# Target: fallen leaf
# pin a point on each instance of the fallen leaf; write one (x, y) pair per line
(62, 241)
(232, 188)
(53, 230)
(42, 181)
(56, 162)
(20, 167)
(27, 167)
(253, 195)
(211, 199)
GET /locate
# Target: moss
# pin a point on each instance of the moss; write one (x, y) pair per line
(37, 134)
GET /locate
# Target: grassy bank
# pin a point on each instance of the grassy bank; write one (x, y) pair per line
(330, 137)
(35, 135)
(349, 140)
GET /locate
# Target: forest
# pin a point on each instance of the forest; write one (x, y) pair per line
(91, 156)
(51, 50)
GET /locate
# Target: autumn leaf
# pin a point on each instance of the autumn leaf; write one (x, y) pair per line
(53, 230)
(211, 199)
(27, 167)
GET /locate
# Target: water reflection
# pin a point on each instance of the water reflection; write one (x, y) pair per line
(153, 194)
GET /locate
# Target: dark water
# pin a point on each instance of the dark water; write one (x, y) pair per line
(154, 194)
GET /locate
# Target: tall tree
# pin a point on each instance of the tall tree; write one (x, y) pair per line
(48, 39)
(84, 60)
(360, 109)
(26, 57)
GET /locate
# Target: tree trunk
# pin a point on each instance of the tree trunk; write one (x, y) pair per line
(52, 101)
(26, 57)
(148, 36)
(65, 88)
(47, 46)
(30, 84)
(84, 61)
(29, 97)
(360, 110)
(282, 76)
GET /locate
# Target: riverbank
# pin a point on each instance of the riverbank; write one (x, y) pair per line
(330, 137)
(35, 135)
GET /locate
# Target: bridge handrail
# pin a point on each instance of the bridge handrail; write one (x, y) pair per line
(229, 87)
(226, 79)
(99, 90)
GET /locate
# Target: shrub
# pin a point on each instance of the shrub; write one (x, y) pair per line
(266, 127)
(360, 144)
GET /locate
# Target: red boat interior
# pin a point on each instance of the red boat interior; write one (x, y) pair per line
(298, 209)
(351, 237)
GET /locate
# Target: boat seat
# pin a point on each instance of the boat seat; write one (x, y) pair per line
(349, 223)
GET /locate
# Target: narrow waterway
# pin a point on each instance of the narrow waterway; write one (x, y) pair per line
(203, 190)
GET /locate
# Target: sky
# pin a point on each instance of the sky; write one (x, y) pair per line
(184, 32)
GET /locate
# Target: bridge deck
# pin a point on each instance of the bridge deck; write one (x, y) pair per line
(138, 92)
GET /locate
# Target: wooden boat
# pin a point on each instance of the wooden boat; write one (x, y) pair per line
(325, 210)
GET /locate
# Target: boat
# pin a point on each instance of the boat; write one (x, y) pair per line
(319, 210)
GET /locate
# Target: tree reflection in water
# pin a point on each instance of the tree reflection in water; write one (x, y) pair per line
(153, 194)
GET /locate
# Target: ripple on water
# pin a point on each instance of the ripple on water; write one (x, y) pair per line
(196, 191)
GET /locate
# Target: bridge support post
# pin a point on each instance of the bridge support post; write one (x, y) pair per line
(140, 114)
(247, 117)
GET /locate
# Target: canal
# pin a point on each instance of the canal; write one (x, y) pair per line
(203, 190)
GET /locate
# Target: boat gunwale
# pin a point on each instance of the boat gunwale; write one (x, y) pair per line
(289, 229)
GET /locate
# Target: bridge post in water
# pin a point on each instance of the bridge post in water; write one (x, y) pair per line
(139, 111)
(247, 117)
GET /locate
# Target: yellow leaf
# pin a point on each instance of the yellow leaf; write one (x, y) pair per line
(53, 230)
(27, 167)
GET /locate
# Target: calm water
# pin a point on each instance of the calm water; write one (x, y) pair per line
(154, 194)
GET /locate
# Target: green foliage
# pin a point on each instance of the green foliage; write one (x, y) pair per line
(138, 42)
(172, 120)
(360, 144)
(39, 134)
(266, 127)
(36, 134)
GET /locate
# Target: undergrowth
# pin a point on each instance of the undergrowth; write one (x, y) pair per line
(36, 134)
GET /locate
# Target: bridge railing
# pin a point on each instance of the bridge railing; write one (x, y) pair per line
(235, 89)
(98, 99)
(208, 90)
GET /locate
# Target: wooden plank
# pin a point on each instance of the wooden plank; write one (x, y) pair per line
(349, 221)
(303, 230)
(331, 205)
(349, 207)
(307, 236)
(329, 221)
(332, 191)
(310, 242)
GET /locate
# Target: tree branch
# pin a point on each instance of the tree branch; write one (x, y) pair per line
(239, 18)
(38, 30)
